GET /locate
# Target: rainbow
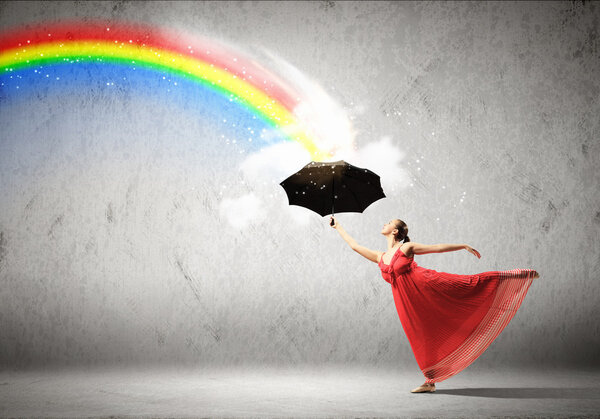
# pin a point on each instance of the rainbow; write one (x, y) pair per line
(201, 61)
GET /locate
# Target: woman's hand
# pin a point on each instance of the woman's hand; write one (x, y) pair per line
(470, 249)
(333, 223)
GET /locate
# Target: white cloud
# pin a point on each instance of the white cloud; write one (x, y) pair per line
(274, 163)
(243, 211)
(265, 169)
(382, 157)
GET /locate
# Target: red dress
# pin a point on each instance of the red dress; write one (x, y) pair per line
(451, 319)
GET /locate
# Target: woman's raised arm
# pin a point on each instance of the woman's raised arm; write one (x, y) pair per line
(422, 249)
(372, 255)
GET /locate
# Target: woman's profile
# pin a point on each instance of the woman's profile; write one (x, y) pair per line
(449, 319)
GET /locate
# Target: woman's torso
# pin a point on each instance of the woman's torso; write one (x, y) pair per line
(399, 262)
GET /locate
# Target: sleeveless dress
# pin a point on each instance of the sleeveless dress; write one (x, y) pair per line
(451, 319)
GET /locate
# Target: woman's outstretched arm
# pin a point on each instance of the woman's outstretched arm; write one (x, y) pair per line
(422, 249)
(372, 255)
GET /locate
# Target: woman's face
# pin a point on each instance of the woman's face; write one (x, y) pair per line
(389, 228)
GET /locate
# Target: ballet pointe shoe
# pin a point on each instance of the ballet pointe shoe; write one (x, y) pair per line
(424, 388)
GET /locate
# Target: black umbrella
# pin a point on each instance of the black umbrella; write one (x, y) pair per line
(325, 187)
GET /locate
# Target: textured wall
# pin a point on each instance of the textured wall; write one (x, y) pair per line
(114, 246)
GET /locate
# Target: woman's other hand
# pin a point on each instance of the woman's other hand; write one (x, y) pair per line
(470, 249)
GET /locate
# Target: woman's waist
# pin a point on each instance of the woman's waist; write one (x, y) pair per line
(404, 268)
(398, 269)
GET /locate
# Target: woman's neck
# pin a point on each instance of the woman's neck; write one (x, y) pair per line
(392, 243)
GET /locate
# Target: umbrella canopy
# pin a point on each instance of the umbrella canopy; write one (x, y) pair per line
(329, 187)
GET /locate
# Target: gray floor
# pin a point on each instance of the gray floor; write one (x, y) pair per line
(296, 392)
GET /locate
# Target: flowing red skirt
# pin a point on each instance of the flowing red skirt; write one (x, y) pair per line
(451, 319)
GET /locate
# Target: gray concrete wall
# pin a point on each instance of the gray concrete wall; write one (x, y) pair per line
(116, 246)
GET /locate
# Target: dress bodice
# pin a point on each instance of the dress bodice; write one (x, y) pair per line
(399, 264)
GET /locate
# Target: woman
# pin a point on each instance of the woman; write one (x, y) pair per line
(449, 319)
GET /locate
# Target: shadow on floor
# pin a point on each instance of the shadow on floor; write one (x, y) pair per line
(585, 393)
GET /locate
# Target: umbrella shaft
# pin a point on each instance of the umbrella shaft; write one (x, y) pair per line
(332, 197)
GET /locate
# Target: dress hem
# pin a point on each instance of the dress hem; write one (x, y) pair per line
(511, 291)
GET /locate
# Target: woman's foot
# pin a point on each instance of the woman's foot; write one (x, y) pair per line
(424, 388)
(536, 275)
